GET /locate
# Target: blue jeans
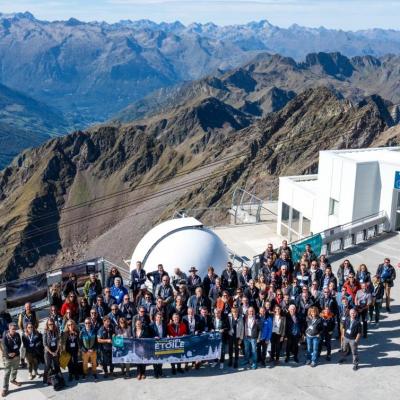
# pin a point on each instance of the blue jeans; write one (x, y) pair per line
(312, 348)
(250, 350)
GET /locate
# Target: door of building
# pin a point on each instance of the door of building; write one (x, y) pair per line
(397, 220)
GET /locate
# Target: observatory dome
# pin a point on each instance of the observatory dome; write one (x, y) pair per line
(183, 243)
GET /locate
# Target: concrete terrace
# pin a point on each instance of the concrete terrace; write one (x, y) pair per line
(376, 378)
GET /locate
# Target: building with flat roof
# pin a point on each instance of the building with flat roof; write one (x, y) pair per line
(350, 185)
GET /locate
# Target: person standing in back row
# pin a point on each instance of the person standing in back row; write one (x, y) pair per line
(387, 273)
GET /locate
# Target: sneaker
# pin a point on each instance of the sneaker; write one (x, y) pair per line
(313, 364)
(253, 366)
(355, 367)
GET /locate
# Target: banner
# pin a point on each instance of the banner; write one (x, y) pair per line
(299, 247)
(31, 289)
(206, 346)
(81, 270)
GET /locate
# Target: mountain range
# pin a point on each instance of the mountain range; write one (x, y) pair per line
(169, 117)
(96, 192)
(91, 70)
(25, 122)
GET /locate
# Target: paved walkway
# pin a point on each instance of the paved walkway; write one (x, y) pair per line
(378, 376)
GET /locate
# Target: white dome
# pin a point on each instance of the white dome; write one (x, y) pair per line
(183, 243)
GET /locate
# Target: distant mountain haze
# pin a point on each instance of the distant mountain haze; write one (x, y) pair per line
(90, 71)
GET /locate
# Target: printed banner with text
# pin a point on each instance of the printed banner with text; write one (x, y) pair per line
(206, 346)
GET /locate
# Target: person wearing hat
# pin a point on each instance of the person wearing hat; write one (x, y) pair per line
(193, 280)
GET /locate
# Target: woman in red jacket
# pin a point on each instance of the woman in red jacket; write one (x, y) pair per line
(174, 329)
(71, 303)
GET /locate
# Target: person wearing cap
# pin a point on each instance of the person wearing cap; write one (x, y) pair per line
(11, 344)
(193, 280)
(92, 289)
(138, 278)
(352, 336)
(118, 291)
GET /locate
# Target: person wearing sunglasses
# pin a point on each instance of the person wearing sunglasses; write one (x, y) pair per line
(11, 344)
(71, 303)
(88, 345)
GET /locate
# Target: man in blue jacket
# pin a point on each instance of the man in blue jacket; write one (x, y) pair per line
(265, 323)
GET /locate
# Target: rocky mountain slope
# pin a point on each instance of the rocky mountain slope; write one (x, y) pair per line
(97, 192)
(25, 122)
(92, 70)
(268, 82)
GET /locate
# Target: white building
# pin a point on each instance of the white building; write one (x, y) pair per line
(350, 185)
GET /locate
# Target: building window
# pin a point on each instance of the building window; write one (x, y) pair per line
(306, 229)
(295, 225)
(285, 213)
(333, 206)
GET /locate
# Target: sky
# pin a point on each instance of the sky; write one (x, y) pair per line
(338, 14)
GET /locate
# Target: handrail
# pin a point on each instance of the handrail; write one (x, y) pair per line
(338, 228)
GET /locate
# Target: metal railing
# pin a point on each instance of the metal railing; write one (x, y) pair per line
(247, 207)
(209, 216)
(343, 236)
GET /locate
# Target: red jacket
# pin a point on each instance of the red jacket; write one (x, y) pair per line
(351, 291)
(182, 329)
(74, 307)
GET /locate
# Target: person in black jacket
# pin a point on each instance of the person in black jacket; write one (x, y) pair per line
(209, 280)
(328, 326)
(387, 274)
(205, 321)
(71, 285)
(158, 330)
(11, 344)
(377, 293)
(229, 279)
(104, 338)
(33, 343)
(293, 334)
(352, 336)
(138, 278)
(193, 280)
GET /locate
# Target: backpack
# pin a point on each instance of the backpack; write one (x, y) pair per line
(57, 381)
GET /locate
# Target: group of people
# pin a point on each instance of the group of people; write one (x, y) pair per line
(284, 303)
